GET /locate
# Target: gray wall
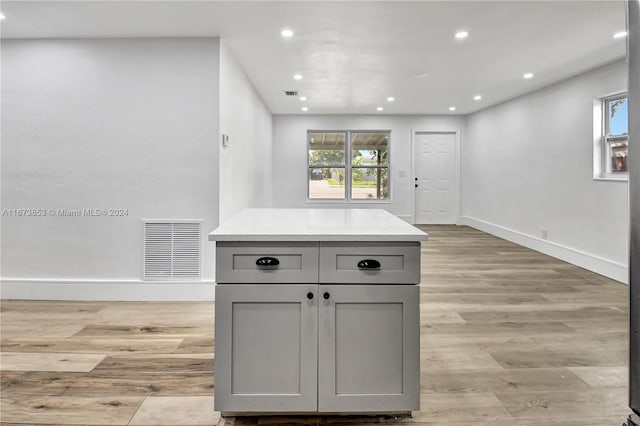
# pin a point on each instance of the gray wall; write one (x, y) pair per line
(136, 124)
(527, 164)
(290, 155)
(245, 164)
(104, 123)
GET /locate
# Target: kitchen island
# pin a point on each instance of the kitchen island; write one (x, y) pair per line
(317, 311)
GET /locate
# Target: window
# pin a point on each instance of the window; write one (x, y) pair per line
(615, 137)
(348, 165)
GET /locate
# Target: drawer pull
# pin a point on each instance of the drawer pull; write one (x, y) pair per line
(326, 295)
(369, 264)
(309, 295)
(267, 261)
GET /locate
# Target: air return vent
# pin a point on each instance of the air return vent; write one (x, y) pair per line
(291, 93)
(172, 250)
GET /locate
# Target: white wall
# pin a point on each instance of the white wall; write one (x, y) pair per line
(290, 155)
(245, 164)
(105, 123)
(527, 165)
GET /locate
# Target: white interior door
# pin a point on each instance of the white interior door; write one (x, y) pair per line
(436, 178)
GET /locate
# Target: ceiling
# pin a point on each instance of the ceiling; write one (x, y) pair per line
(355, 54)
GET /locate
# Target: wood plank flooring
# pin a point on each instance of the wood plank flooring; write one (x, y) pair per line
(508, 337)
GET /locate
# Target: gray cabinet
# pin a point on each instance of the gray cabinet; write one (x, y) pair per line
(266, 348)
(369, 355)
(237, 262)
(341, 339)
(389, 263)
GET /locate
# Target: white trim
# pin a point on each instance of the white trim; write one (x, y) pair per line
(458, 203)
(412, 180)
(107, 290)
(600, 145)
(608, 268)
(612, 179)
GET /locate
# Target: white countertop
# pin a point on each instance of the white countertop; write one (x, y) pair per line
(316, 225)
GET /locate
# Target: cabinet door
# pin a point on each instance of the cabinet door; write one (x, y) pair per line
(369, 348)
(266, 348)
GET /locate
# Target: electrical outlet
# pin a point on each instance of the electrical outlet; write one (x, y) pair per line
(544, 233)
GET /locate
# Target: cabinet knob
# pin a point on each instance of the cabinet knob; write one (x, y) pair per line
(309, 295)
(326, 295)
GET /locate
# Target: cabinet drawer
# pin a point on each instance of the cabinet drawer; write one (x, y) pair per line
(266, 262)
(370, 263)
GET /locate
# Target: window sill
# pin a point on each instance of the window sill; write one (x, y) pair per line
(624, 178)
(370, 202)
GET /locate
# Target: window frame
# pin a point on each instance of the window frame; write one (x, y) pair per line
(348, 167)
(316, 166)
(605, 141)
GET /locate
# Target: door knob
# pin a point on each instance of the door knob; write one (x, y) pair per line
(326, 295)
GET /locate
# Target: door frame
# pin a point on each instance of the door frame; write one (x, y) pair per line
(458, 186)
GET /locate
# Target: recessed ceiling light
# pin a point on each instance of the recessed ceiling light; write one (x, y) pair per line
(2, 16)
(461, 35)
(527, 75)
(620, 34)
(477, 97)
(391, 99)
(286, 33)
(297, 77)
(452, 108)
(305, 109)
(379, 108)
(420, 75)
(303, 98)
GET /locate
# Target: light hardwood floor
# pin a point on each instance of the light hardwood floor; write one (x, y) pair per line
(508, 337)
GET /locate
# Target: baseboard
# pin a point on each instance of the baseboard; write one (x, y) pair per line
(599, 265)
(406, 217)
(107, 290)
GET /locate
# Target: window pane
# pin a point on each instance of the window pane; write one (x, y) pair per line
(370, 183)
(618, 117)
(327, 149)
(369, 148)
(619, 152)
(326, 183)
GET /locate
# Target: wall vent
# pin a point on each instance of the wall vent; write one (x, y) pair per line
(291, 93)
(172, 250)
